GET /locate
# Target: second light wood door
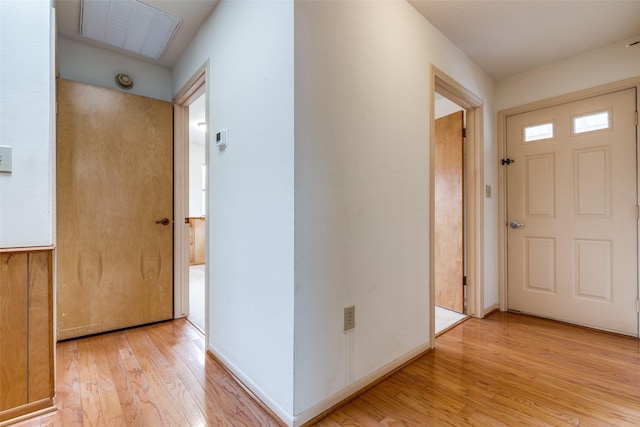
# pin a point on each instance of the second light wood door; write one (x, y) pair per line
(114, 183)
(449, 212)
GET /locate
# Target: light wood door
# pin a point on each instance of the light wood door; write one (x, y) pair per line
(449, 212)
(575, 259)
(114, 182)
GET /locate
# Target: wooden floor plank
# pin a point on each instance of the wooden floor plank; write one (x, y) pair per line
(505, 370)
(167, 385)
(511, 369)
(122, 384)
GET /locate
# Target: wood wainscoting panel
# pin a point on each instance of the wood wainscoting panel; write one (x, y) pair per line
(26, 333)
(40, 327)
(13, 330)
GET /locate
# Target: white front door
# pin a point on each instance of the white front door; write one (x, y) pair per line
(572, 212)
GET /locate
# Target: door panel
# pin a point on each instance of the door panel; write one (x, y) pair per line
(575, 258)
(449, 212)
(114, 181)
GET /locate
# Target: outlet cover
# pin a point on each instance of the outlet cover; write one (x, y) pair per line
(5, 158)
(349, 317)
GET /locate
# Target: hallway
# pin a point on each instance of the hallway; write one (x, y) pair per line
(505, 370)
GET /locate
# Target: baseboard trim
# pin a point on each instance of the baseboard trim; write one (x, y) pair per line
(324, 408)
(262, 399)
(27, 411)
(490, 310)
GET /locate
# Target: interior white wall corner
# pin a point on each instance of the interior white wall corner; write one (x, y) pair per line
(249, 46)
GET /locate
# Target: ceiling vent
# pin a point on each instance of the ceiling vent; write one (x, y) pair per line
(129, 25)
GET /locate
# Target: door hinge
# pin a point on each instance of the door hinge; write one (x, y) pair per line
(464, 130)
(507, 161)
(464, 281)
(636, 118)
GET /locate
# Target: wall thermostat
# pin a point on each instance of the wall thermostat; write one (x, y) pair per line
(221, 139)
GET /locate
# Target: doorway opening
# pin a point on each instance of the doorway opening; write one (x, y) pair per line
(191, 148)
(450, 215)
(197, 210)
(473, 170)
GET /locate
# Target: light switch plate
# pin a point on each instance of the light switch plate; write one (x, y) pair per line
(5, 158)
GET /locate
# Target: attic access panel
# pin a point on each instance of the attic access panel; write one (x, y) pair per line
(129, 25)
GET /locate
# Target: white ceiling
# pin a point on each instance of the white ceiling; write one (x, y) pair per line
(504, 37)
(192, 12)
(509, 37)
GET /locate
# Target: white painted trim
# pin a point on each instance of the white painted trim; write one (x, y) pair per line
(502, 146)
(180, 207)
(502, 212)
(343, 394)
(247, 382)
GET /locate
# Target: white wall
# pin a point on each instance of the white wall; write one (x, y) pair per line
(250, 48)
(26, 123)
(597, 67)
(98, 67)
(444, 107)
(362, 188)
(196, 160)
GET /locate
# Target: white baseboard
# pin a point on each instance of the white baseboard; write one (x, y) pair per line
(328, 403)
(489, 309)
(284, 416)
(319, 408)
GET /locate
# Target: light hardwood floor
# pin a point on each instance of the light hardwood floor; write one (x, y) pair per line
(509, 370)
(505, 370)
(156, 375)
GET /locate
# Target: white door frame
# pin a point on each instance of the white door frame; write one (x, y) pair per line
(474, 203)
(502, 176)
(194, 88)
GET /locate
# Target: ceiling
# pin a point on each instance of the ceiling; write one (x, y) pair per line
(509, 37)
(504, 37)
(192, 12)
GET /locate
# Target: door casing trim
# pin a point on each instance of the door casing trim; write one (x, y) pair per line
(192, 89)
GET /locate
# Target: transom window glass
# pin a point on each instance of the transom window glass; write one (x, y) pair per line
(538, 132)
(592, 122)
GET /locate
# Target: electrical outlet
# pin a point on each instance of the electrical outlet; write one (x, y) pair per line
(5, 159)
(349, 317)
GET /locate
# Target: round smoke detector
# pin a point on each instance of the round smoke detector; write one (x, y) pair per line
(124, 81)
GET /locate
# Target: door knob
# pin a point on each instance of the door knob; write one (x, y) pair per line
(163, 221)
(515, 224)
